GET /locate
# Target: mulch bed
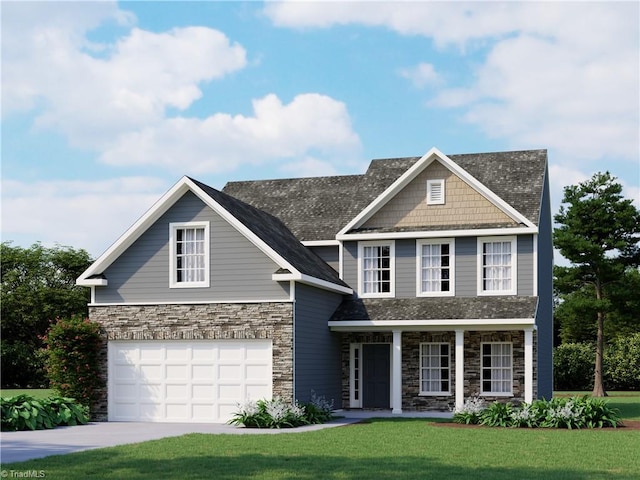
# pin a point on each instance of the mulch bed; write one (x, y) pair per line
(627, 425)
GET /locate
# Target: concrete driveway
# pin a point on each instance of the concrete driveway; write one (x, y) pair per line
(26, 445)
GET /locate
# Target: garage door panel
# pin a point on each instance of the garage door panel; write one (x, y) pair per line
(177, 372)
(257, 372)
(229, 372)
(202, 372)
(151, 372)
(186, 381)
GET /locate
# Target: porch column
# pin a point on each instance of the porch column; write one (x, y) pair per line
(528, 365)
(396, 375)
(459, 368)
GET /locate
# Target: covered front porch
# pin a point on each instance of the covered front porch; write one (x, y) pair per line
(420, 365)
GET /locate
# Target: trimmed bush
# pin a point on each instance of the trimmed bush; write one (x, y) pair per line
(573, 366)
(72, 359)
(575, 412)
(24, 412)
(622, 363)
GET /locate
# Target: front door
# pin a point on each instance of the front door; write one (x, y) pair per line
(376, 375)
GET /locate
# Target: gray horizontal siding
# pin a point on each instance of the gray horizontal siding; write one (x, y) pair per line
(466, 269)
(318, 365)
(466, 266)
(405, 268)
(239, 270)
(330, 254)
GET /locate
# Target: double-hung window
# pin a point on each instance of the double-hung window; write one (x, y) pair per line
(189, 254)
(497, 369)
(377, 269)
(434, 369)
(435, 267)
(497, 266)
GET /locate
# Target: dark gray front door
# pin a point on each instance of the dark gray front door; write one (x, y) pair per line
(376, 373)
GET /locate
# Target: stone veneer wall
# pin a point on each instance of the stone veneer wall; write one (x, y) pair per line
(411, 398)
(472, 359)
(242, 321)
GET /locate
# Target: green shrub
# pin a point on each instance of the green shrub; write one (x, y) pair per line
(622, 363)
(575, 412)
(24, 412)
(470, 411)
(277, 413)
(497, 414)
(573, 365)
(72, 359)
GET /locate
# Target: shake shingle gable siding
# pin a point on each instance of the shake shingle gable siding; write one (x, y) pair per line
(276, 235)
(317, 208)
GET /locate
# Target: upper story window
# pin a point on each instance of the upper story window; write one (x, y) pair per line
(435, 192)
(434, 369)
(497, 368)
(435, 267)
(376, 269)
(497, 266)
(189, 254)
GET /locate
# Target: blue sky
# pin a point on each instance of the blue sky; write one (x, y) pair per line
(105, 105)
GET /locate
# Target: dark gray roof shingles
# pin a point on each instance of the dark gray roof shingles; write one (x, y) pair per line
(275, 234)
(316, 208)
(436, 308)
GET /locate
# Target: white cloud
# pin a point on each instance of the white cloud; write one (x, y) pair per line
(82, 214)
(92, 98)
(422, 75)
(219, 143)
(560, 75)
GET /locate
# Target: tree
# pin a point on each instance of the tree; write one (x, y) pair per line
(577, 302)
(38, 286)
(598, 233)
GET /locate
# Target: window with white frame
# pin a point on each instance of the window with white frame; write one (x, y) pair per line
(497, 266)
(497, 368)
(435, 267)
(189, 254)
(435, 369)
(377, 265)
(435, 192)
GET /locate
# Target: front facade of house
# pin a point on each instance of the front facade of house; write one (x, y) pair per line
(411, 287)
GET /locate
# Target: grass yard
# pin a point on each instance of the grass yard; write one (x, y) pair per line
(36, 392)
(377, 449)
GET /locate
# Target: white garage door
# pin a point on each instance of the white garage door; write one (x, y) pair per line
(186, 381)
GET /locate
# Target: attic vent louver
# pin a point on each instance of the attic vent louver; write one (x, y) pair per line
(435, 192)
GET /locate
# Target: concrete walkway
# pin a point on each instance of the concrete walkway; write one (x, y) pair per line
(27, 445)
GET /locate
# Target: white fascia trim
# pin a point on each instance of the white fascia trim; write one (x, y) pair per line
(418, 167)
(490, 232)
(440, 324)
(309, 280)
(92, 282)
(137, 229)
(189, 302)
(321, 243)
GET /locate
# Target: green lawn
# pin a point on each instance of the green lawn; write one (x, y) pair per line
(378, 449)
(37, 393)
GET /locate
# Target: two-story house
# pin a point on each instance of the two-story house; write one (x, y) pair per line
(412, 286)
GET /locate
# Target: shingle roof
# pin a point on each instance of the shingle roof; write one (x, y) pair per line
(275, 234)
(317, 208)
(436, 308)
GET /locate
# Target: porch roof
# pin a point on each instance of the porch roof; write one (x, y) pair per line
(436, 309)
